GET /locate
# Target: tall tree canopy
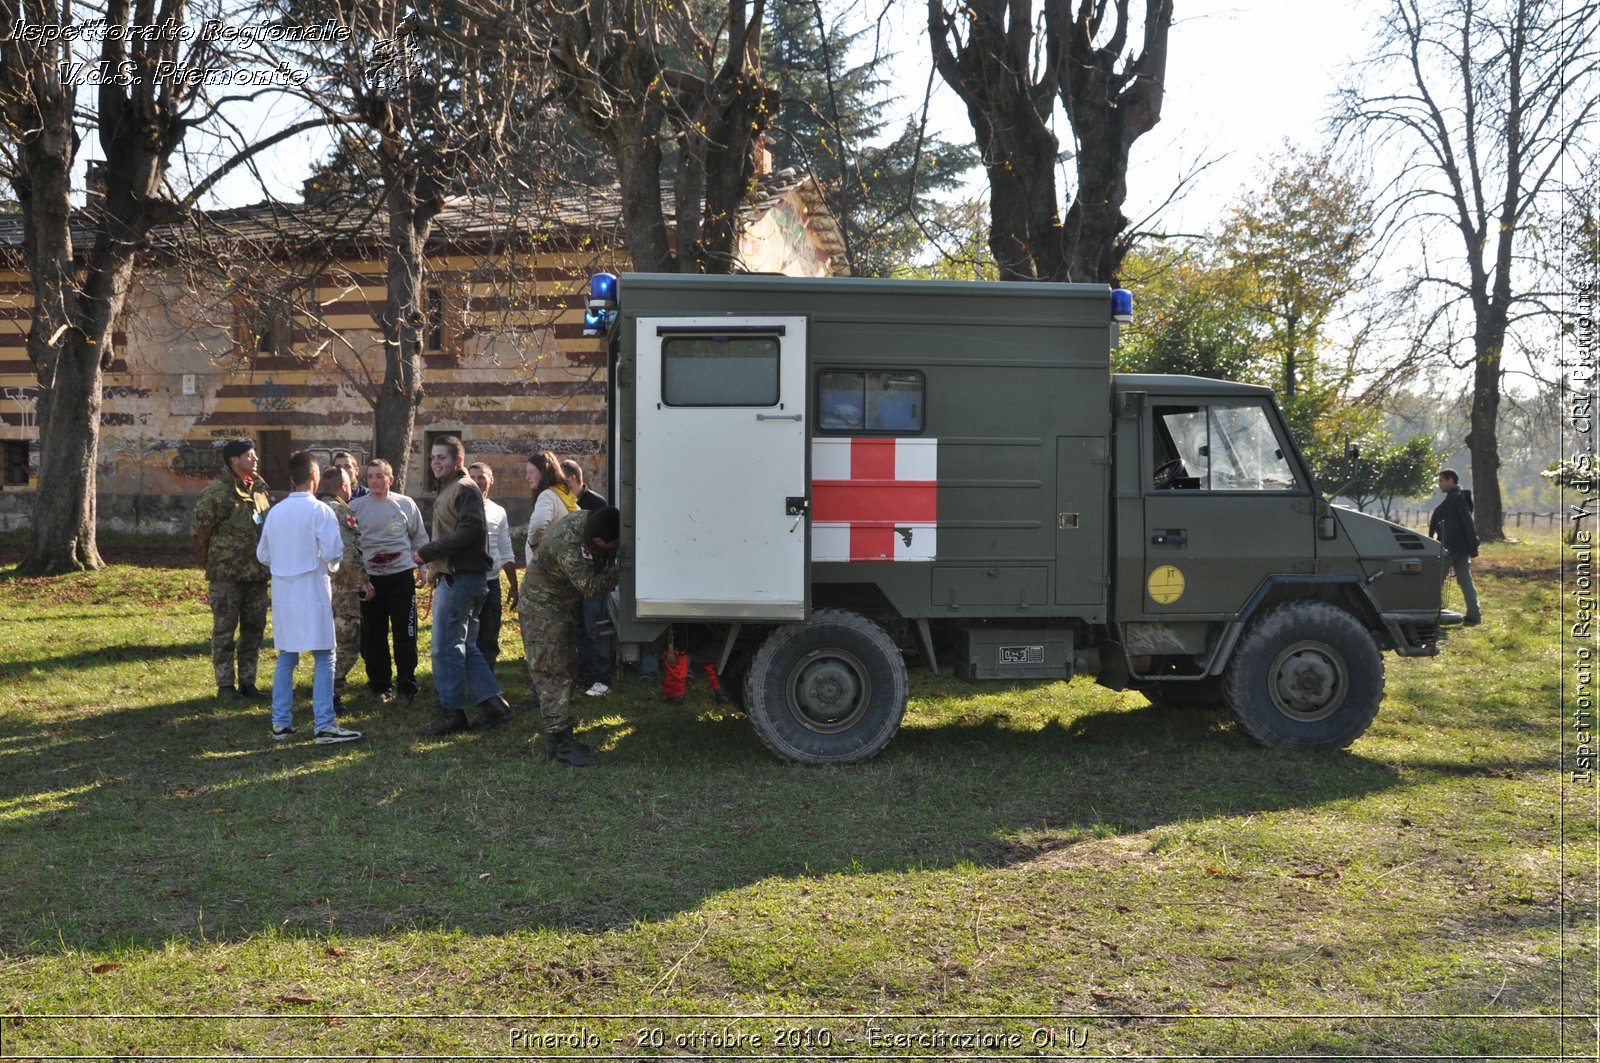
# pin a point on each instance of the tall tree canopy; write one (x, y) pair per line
(1485, 102)
(667, 88)
(1013, 67)
(830, 122)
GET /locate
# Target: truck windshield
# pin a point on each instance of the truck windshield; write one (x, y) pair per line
(1220, 448)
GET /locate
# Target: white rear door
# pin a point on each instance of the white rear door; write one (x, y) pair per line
(721, 453)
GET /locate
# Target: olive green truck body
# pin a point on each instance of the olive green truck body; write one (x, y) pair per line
(821, 477)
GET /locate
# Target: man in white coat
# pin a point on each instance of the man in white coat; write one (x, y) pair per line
(300, 542)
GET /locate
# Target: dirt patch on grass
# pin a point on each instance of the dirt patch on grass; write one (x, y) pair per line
(1105, 853)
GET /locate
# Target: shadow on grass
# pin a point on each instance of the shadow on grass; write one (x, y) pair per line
(117, 654)
(136, 826)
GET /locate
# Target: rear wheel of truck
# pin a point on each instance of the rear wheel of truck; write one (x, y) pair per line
(1306, 675)
(830, 691)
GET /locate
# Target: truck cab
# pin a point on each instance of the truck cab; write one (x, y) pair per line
(822, 479)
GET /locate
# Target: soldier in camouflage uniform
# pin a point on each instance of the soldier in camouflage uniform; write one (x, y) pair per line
(576, 560)
(350, 586)
(225, 527)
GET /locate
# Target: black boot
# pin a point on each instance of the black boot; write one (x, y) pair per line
(448, 722)
(492, 712)
(249, 692)
(565, 749)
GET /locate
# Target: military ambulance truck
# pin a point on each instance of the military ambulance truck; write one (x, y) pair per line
(821, 477)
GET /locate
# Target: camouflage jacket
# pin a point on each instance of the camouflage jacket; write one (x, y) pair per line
(352, 576)
(226, 526)
(570, 568)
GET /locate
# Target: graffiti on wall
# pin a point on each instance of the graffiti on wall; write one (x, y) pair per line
(27, 400)
(271, 397)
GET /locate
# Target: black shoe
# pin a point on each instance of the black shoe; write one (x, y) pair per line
(446, 723)
(1472, 621)
(230, 695)
(405, 695)
(249, 692)
(492, 712)
(564, 749)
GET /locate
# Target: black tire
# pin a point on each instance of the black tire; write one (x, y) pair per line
(1186, 694)
(1306, 675)
(830, 691)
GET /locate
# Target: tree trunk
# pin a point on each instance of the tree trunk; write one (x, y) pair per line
(1482, 438)
(394, 415)
(61, 537)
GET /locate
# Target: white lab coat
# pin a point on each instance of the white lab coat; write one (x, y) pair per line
(300, 542)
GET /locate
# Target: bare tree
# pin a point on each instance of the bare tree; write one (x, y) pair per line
(1013, 67)
(429, 101)
(147, 96)
(667, 89)
(1486, 101)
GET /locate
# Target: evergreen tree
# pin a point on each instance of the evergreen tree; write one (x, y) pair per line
(830, 122)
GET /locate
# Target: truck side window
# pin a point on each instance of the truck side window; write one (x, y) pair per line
(870, 401)
(719, 371)
(1219, 448)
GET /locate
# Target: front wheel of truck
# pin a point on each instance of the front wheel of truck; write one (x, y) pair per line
(829, 691)
(1306, 675)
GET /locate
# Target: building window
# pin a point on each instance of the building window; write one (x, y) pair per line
(870, 401)
(720, 371)
(274, 336)
(433, 340)
(16, 458)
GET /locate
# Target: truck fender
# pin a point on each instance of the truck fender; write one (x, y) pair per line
(1366, 610)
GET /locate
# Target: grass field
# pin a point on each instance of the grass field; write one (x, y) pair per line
(1046, 869)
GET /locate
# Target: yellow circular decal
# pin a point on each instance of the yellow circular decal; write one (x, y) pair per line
(1166, 585)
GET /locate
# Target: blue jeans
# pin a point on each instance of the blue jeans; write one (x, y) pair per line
(321, 688)
(1461, 564)
(459, 669)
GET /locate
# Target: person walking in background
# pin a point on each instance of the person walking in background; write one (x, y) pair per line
(502, 559)
(391, 532)
(226, 528)
(1452, 526)
(350, 584)
(594, 670)
(458, 557)
(552, 500)
(301, 544)
(576, 560)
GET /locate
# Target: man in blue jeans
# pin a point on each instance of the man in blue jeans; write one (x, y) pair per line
(300, 543)
(1452, 526)
(458, 561)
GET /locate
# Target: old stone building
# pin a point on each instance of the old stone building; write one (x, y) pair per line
(261, 322)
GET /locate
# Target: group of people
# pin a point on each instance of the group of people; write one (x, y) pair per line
(344, 561)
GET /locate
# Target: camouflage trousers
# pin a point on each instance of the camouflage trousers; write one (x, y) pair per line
(550, 641)
(346, 636)
(240, 605)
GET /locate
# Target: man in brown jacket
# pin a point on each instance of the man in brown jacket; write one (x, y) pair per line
(458, 559)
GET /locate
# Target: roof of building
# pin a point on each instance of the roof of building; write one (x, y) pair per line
(347, 222)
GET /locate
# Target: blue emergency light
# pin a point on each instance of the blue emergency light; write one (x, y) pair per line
(603, 291)
(1121, 305)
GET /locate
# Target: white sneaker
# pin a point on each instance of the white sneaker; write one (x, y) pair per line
(599, 690)
(329, 735)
